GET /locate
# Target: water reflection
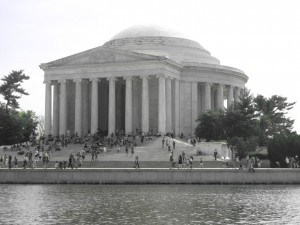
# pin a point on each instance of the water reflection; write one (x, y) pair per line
(152, 204)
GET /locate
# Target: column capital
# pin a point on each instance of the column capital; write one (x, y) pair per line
(47, 81)
(77, 80)
(85, 81)
(161, 75)
(94, 79)
(111, 78)
(128, 78)
(221, 84)
(62, 81)
(208, 83)
(145, 77)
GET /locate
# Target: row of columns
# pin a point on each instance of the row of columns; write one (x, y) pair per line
(59, 105)
(164, 104)
(232, 96)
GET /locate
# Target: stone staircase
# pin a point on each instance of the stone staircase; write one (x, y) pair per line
(151, 155)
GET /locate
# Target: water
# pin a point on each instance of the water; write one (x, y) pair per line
(149, 204)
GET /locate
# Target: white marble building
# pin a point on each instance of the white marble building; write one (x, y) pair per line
(144, 78)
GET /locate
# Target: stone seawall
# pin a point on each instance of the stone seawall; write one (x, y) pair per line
(149, 176)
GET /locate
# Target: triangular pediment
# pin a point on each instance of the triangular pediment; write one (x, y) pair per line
(100, 55)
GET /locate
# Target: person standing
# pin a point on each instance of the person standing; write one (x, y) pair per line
(126, 150)
(1, 161)
(180, 162)
(174, 144)
(215, 154)
(9, 161)
(171, 158)
(5, 160)
(201, 163)
(16, 162)
(163, 142)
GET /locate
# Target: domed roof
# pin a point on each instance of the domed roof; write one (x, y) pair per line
(147, 31)
(158, 41)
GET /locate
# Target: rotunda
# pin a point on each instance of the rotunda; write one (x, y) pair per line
(146, 78)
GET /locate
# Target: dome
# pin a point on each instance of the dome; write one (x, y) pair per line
(158, 41)
(147, 31)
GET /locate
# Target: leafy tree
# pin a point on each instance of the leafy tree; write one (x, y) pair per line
(11, 88)
(16, 127)
(282, 146)
(241, 146)
(272, 116)
(240, 120)
(28, 122)
(210, 126)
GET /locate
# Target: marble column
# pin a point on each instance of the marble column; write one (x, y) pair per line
(55, 109)
(145, 104)
(162, 104)
(78, 106)
(48, 103)
(63, 107)
(94, 106)
(112, 106)
(85, 106)
(237, 91)
(194, 104)
(128, 105)
(177, 118)
(168, 105)
(229, 96)
(207, 91)
(220, 96)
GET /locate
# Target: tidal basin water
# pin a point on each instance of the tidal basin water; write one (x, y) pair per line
(149, 204)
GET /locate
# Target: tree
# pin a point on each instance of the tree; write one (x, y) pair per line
(272, 116)
(240, 120)
(28, 122)
(16, 127)
(210, 126)
(282, 146)
(241, 146)
(11, 88)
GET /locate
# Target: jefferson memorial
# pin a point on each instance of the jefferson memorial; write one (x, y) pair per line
(146, 78)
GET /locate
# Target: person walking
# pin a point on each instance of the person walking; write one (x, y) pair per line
(136, 163)
(191, 162)
(174, 144)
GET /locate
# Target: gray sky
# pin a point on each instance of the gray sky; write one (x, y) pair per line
(262, 38)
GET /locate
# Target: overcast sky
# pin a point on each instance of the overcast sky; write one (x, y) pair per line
(262, 38)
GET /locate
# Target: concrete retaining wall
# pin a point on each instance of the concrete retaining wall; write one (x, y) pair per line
(149, 176)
